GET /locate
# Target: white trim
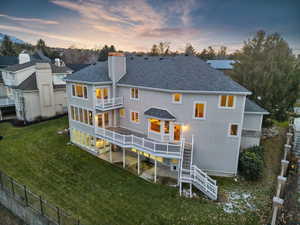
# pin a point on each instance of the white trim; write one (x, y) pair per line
(87, 82)
(257, 113)
(227, 107)
(135, 99)
(188, 91)
(238, 130)
(131, 111)
(173, 97)
(194, 108)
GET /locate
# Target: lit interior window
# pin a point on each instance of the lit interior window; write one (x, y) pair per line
(155, 125)
(177, 98)
(199, 110)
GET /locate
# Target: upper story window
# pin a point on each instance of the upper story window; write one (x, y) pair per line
(134, 93)
(79, 90)
(199, 110)
(227, 101)
(176, 98)
(135, 117)
(102, 93)
(233, 130)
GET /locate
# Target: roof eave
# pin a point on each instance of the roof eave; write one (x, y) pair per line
(261, 113)
(186, 91)
(88, 82)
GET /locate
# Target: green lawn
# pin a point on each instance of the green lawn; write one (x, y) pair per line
(100, 193)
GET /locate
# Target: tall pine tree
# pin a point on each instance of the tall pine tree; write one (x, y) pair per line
(7, 48)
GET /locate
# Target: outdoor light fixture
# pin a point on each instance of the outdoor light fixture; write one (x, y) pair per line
(185, 127)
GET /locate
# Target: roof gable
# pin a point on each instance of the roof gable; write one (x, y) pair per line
(29, 84)
(252, 107)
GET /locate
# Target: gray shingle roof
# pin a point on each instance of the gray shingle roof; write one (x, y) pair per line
(252, 107)
(8, 60)
(186, 73)
(28, 84)
(60, 69)
(77, 67)
(159, 113)
(94, 73)
(16, 67)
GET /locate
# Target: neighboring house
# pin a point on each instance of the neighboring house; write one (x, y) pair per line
(177, 112)
(6, 106)
(36, 87)
(224, 65)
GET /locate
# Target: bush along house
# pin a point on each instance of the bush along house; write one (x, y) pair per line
(165, 118)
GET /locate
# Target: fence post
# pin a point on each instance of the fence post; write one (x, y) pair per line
(78, 222)
(58, 216)
(41, 204)
(1, 181)
(26, 197)
(12, 186)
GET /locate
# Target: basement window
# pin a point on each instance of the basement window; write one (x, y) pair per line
(233, 130)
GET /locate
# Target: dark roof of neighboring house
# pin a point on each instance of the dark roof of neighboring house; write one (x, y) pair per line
(185, 73)
(39, 55)
(59, 86)
(97, 72)
(77, 67)
(28, 84)
(252, 107)
(8, 60)
(60, 69)
(159, 113)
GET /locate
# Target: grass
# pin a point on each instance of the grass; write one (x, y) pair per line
(100, 193)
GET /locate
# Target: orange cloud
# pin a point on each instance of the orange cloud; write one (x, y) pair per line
(31, 20)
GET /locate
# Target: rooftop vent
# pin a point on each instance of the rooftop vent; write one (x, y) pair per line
(146, 58)
(131, 57)
(161, 58)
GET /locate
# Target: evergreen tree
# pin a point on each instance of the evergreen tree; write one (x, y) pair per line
(103, 55)
(267, 67)
(7, 48)
(154, 50)
(222, 53)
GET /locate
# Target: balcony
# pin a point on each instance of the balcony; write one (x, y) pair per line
(5, 102)
(110, 103)
(129, 139)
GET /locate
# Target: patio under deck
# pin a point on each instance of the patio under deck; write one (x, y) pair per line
(126, 138)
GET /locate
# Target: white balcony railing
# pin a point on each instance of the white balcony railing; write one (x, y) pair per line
(110, 102)
(142, 144)
(7, 102)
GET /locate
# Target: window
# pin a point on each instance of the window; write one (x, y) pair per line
(106, 119)
(227, 101)
(135, 117)
(199, 110)
(233, 130)
(76, 114)
(167, 127)
(91, 118)
(122, 112)
(79, 90)
(134, 93)
(85, 116)
(80, 115)
(102, 93)
(177, 98)
(155, 125)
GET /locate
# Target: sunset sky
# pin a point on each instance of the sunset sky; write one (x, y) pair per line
(134, 25)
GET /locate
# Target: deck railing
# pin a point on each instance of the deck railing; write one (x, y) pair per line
(109, 103)
(7, 101)
(140, 143)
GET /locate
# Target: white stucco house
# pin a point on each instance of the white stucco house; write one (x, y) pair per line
(35, 86)
(177, 113)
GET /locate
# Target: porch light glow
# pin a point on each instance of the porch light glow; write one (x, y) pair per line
(185, 128)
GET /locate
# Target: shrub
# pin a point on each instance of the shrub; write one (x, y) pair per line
(251, 163)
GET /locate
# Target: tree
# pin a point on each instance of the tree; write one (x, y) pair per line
(208, 54)
(267, 67)
(189, 50)
(163, 48)
(154, 50)
(222, 53)
(103, 55)
(7, 48)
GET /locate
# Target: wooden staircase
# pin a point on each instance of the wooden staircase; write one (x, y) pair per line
(191, 174)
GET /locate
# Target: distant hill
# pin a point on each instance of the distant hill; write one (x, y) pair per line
(12, 38)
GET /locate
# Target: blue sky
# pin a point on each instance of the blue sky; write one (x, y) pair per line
(137, 24)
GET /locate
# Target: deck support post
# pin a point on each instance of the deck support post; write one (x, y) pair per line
(138, 163)
(110, 153)
(1, 115)
(191, 192)
(180, 188)
(123, 157)
(155, 170)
